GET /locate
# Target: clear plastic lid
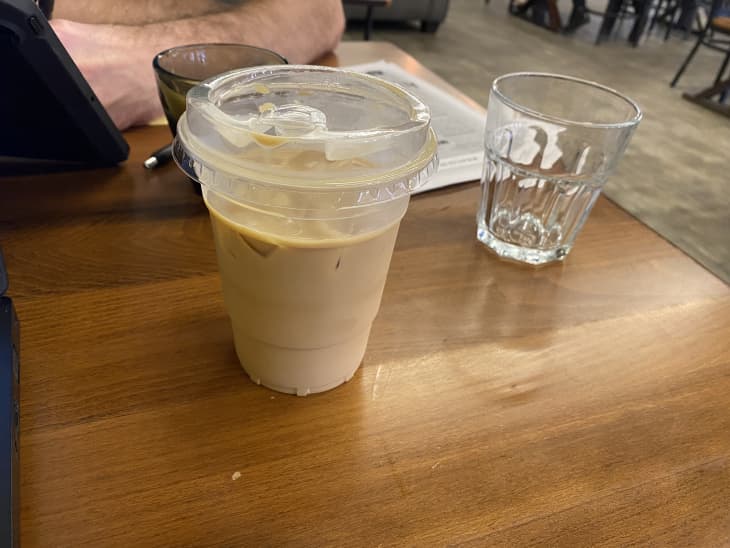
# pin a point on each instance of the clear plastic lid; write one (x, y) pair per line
(294, 128)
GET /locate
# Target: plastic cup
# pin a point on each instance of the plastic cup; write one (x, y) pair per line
(307, 173)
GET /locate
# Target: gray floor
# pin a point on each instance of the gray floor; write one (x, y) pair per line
(675, 176)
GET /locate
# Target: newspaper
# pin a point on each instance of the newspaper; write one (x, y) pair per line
(459, 128)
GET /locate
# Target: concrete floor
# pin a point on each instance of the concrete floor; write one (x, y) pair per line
(675, 176)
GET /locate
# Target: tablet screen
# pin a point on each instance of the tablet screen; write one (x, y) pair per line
(48, 110)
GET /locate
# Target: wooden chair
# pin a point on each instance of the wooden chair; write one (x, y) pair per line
(714, 35)
(666, 12)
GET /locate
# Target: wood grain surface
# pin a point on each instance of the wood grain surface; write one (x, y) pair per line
(579, 404)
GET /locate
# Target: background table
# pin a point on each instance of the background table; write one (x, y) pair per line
(578, 404)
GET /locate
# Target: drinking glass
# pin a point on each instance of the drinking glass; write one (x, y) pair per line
(551, 142)
(180, 68)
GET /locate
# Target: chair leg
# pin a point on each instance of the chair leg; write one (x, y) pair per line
(686, 62)
(554, 22)
(669, 16)
(722, 68)
(655, 16)
(609, 20)
(724, 93)
(642, 17)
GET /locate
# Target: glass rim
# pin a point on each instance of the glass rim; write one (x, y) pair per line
(156, 59)
(638, 114)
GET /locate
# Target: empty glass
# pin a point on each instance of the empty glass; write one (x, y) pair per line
(551, 142)
(181, 68)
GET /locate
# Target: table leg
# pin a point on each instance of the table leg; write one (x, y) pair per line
(368, 23)
(609, 20)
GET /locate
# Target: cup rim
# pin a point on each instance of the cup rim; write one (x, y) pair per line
(156, 59)
(638, 114)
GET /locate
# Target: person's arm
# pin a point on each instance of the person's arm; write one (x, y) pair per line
(117, 59)
(137, 12)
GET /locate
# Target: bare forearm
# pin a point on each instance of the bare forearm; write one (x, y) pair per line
(117, 59)
(300, 31)
(136, 12)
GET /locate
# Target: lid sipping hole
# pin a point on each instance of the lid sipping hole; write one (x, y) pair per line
(288, 120)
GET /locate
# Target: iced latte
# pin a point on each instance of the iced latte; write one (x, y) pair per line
(306, 172)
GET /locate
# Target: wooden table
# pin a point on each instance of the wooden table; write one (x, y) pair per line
(578, 404)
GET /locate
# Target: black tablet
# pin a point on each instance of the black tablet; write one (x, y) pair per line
(50, 116)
